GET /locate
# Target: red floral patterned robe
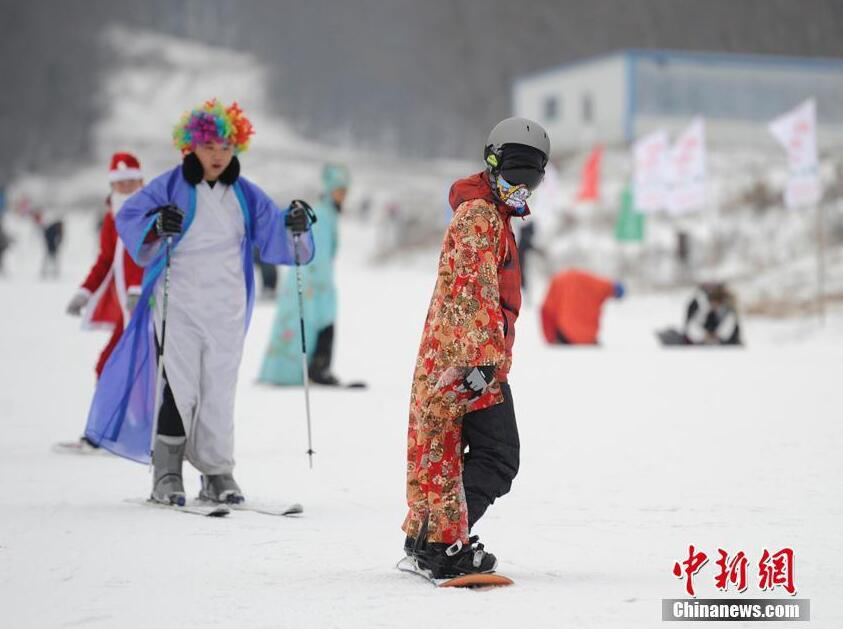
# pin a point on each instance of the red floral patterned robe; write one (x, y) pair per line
(470, 322)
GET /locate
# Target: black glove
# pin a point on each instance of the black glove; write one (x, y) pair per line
(477, 380)
(300, 216)
(169, 221)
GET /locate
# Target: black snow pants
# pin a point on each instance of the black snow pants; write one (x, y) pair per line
(491, 463)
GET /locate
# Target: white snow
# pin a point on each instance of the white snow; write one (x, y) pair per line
(629, 454)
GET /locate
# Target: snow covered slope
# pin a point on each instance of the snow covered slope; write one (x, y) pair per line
(629, 454)
(154, 78)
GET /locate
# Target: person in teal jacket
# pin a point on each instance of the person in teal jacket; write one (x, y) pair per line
(282, 362)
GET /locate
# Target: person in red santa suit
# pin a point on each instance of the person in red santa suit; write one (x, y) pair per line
(109, 293)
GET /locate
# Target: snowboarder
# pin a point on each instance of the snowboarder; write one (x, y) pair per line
(192, 229)
(111, 290)
(460, 396)
(711, 319)
(282, 363)
(570, 314)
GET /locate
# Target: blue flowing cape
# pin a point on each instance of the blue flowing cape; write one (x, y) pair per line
(121, 415)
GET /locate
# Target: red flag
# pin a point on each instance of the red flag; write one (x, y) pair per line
(590, 182)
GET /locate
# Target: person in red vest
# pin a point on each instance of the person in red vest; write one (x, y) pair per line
(109, 293)
(570, 314)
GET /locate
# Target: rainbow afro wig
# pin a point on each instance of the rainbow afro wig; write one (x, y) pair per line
(213, 123)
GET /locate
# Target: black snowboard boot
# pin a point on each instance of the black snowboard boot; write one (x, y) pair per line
(409, 546)
(445, 561)
(319, 370)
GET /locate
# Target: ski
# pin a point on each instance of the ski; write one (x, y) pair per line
(78, 448)
(268, 508)
(193, 508)
(484, 581)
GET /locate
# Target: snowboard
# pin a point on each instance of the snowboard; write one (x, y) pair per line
(485, 581)
(670, 337)
(357, 384)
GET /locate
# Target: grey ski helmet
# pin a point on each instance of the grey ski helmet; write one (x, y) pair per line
(515, 130)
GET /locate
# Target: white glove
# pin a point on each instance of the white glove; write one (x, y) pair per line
(79, 301)
(132, 299)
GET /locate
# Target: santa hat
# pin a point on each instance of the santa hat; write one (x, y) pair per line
(124, 167)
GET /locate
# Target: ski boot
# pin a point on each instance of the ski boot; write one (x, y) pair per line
(167, 483)
(446, 561)
(220, 488)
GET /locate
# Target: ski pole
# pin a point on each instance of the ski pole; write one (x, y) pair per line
(310, 451)
(159, 380)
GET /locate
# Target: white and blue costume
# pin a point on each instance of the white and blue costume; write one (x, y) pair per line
(209, 307)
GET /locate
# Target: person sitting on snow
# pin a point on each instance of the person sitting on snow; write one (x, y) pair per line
(711, 318)
(192, 229)
(570, 314)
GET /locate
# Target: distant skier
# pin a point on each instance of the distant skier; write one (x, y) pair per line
(282, 363)
(460, 395)
(52, 229)
(111, 290)
(711, 319)
(213, 216)
(570, 314)
(5, 239)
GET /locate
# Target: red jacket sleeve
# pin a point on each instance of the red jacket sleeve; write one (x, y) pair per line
(133, 274)
(108, 241)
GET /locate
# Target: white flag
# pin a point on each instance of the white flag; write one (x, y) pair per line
(649, 155)
(797, 132)
(686, 170)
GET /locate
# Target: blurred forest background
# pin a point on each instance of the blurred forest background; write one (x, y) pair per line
(417, 79)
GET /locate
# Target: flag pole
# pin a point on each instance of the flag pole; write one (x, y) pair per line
(820, 213)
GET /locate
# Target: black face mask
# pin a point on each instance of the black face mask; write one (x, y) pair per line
(193, 172)
(522, 165)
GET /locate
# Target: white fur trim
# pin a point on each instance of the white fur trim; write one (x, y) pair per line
(124, 174)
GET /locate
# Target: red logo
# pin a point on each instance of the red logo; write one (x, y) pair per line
(774, 570)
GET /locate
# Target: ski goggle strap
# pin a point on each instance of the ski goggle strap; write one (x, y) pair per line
(514, 196)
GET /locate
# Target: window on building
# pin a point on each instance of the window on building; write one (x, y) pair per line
(552, 108)
(587, 108)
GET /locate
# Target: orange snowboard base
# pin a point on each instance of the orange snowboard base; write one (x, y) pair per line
(477, 581)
